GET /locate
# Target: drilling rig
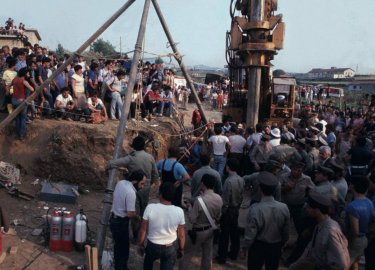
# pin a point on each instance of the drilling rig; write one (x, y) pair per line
(256, 36)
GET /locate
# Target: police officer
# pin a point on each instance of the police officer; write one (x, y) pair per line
(328, 248)
(232, 199)
(267, 228)
(202, 233)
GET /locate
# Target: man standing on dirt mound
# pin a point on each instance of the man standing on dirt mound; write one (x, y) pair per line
(136, 160)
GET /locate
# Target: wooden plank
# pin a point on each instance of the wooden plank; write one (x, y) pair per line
(94, 259)
(88, 257)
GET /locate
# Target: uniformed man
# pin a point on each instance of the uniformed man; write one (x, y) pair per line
(312, 151)
(267, 228)
(198, 174)
(123, 209)
(294, 188)
(328, 248)
(136, 160)
(202, 230)
(232, 199)
(306, 159)
(323, 176)
(360, 157)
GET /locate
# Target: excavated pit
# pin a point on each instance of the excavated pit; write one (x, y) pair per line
(78, 153)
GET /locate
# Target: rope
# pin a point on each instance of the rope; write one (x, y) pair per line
(173, 135)
(56, 110)
(187, 152)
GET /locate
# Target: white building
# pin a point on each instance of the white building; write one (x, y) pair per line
(332, 73)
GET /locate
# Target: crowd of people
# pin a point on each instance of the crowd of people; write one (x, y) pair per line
(314, 181)
(83, 92)
(10, 28)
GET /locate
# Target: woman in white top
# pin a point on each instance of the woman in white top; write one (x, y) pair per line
(78, 85)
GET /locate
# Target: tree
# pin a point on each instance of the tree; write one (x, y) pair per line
(103, 47)
(60, 51)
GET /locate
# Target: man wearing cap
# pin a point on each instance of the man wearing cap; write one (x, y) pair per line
(323, 176)
(328, 248)
(261, 152)
(312, 151)
(301, 146)
(339, 181)
(232, 200)
(267, 228)
(201, 226)
(275, 141)
(284, 147)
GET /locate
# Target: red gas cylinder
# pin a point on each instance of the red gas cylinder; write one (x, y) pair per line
(67, 239)
(55, 230)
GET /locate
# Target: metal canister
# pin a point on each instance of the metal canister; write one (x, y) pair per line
(55, 230)
(67, 239)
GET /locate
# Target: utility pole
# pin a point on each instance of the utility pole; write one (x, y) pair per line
(107, 202)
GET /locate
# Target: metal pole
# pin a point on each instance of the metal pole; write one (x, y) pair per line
(253, 97)
(81, 49)
(107, 202)
(256, 14)
(178, 58)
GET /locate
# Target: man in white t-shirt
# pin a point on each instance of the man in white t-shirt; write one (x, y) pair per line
(123, 209)
(219, 144)
(164, 226)
(96, 106)
(64, 104)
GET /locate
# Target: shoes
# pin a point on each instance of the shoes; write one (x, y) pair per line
(145, 119)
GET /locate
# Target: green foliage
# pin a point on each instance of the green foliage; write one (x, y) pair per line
(103, 47)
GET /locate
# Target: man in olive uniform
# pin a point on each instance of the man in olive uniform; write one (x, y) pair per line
(267, 228)
(328, 248)
(232, 200)
(136, 160)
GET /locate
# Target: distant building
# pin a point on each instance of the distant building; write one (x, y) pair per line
(332, 73)
(367, 86)
(15, 41)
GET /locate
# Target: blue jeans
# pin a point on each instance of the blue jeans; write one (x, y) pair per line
(219, 164)
(166, 254)
(20, 118)
(120, 233)
(116, 103)
(168, 106)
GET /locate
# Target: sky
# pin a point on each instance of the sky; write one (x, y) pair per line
(319, 33)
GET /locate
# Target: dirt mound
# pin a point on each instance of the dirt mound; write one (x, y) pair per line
(78, 152)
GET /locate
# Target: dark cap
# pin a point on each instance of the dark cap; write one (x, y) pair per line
(325, 170)
(138, 143)
(267, 179)
(335, 166)
(319, 201)
(277, 158)
(315, 129)
(296, 161)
